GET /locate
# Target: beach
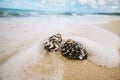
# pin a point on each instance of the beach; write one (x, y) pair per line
(112, 26)
(22, 56)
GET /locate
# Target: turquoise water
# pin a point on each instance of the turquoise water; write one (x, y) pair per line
(7, 12)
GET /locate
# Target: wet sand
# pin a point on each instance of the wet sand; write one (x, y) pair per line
(85, 70)
(25, 61)
(113, 26)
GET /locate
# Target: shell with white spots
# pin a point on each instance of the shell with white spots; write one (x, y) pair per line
(73, 50)
(53, 43)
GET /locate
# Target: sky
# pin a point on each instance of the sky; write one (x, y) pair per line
(90, 6)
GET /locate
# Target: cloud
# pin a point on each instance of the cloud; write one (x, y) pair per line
(72, 3)
(101, 4)
(82, 5)
(114, 7)
(92, 3)
(83, 2)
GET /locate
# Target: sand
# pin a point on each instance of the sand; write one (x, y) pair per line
(86, 70)
(20, 57)
(113, 26)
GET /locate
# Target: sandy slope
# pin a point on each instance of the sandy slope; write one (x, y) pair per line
(22, 56)
(113, 26)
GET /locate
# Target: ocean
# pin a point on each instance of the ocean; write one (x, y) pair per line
(8, 12)
(23, 32)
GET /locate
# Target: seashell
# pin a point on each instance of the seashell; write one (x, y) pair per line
(53, 43)
(73, 50)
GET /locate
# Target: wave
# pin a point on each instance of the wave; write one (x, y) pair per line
(7, 12)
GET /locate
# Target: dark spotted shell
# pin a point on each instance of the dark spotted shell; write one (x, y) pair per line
(53, 43)
(73, 50)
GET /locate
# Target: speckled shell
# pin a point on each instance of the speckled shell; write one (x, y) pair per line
(53, 43)
(73, 50)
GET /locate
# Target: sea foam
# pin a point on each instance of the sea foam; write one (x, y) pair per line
(23, 57)
(102, 46)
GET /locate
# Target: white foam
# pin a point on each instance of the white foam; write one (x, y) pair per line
(21, 51)
(22, 65)
(102, 46)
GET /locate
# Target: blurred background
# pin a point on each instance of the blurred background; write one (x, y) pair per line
(61, 7)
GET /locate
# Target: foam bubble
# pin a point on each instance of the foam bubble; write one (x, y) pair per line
(24, 37)
(102, 47)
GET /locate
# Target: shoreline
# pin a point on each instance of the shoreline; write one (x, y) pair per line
(112, 26)
(86, 70)
(23, 39)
